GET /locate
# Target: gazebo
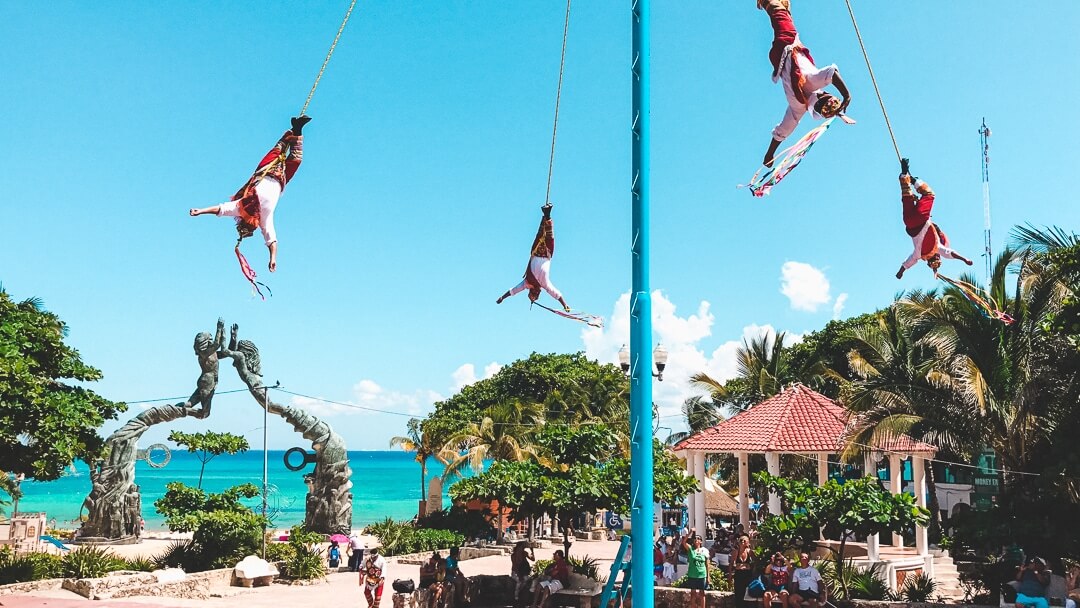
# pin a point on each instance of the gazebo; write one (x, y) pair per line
(802, 421)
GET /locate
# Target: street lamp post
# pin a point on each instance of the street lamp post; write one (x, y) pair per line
(266, 459)
(660, 356)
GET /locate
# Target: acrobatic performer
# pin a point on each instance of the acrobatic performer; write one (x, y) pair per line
(930, 242)
(253, 205)
(538, 273)
(803, 81)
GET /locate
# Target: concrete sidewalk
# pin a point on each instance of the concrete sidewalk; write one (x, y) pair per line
(339, 588)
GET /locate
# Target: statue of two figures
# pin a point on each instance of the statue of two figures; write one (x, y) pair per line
(114, 513)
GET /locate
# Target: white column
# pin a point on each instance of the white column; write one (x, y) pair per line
(822, 479)
(772, 462)
(870, 470)
(692, 499)
(744, 490)
(895, 475)
(699, 509)
(918, 469)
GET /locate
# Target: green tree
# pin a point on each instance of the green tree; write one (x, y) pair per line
(505, 433)
(45, 423)
(858, 507)
(567, 387)
(762, 371)
(582, 472)
(206, 446)
(420, 444)
(224, 530)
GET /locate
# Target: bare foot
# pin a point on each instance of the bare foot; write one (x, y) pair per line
(193, 212)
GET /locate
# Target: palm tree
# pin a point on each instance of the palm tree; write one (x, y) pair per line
(419, 443)
(503, 433)
(699, 413)
(762, 371)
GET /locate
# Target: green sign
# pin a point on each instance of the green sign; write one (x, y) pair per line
(987, 484)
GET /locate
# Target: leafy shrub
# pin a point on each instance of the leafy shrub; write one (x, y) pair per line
(91, 562)
(584, 565)
(224, 530)
(918, 588)
(470, 524)
(718, 581)
(869, 584)
(180, 554)
(837, 581)
(279, 552)
(139, 564)
(306, 561)
(28, 567)
(398, 538)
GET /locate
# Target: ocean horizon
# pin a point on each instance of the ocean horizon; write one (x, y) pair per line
(385, 484)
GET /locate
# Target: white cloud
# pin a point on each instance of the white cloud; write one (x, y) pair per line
(805, 286)
(683, 338)
(466, 374)
(838, 306)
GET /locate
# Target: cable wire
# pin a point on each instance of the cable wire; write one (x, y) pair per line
(873, 79)
(558, 98)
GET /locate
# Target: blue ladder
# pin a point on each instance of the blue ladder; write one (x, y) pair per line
(610, 590)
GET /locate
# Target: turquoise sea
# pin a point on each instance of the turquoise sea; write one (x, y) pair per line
(385, 484)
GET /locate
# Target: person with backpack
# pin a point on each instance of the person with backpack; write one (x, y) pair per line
(334, 554)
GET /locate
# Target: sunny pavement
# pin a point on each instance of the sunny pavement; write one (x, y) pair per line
(340, 588)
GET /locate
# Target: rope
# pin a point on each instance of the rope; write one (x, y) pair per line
(327, 60)
(873, 79)
(558, 97)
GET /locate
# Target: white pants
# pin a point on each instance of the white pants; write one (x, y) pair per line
(541, 269)
(269, 191)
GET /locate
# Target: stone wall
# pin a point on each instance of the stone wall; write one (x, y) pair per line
(673, 597)
(48, 584)
(417, 559)
(199, 585)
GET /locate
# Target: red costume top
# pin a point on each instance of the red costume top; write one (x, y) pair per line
(543, 247)
(927, 239)
(280, 163)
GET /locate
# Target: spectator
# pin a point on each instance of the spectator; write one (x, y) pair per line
(720, 552)
(432, 574)
(806, 585)
(741, 569)
(1072, 586)
(556, 577)
(776, 575)
(334, 555)
(1034, 579)
(455, 578)
(697, 571)
(658, 562)
(671, 559)
(520, 569)
(355, 551)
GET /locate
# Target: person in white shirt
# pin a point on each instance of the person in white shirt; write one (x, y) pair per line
(806, 585)
(803, 81)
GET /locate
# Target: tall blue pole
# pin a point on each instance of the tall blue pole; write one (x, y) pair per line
(641, 364)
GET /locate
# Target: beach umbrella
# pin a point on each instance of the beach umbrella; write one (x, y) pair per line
(340, 539)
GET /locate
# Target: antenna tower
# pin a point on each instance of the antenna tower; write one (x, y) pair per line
(984, 139)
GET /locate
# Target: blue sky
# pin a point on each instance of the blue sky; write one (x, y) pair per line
(426, 163)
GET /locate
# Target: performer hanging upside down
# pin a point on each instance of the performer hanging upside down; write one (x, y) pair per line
(930, 242)
(538, 273)
(253, 205)
(803, 81)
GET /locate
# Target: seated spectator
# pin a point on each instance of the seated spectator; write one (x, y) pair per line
(555, 578)
(806, 585)
(1034, 578)
(455, 578)
(1072, 586)
(441, 591)
(658, 563)
(428, 570)
(776, 575)
(720, 551)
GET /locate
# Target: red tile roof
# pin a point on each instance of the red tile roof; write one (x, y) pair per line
(796, 420)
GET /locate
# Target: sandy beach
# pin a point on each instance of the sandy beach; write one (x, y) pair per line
(338, 588)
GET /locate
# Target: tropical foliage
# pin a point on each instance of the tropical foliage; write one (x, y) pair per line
(206, 446)
(224, 530)
(45, 422)
(399, 538)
